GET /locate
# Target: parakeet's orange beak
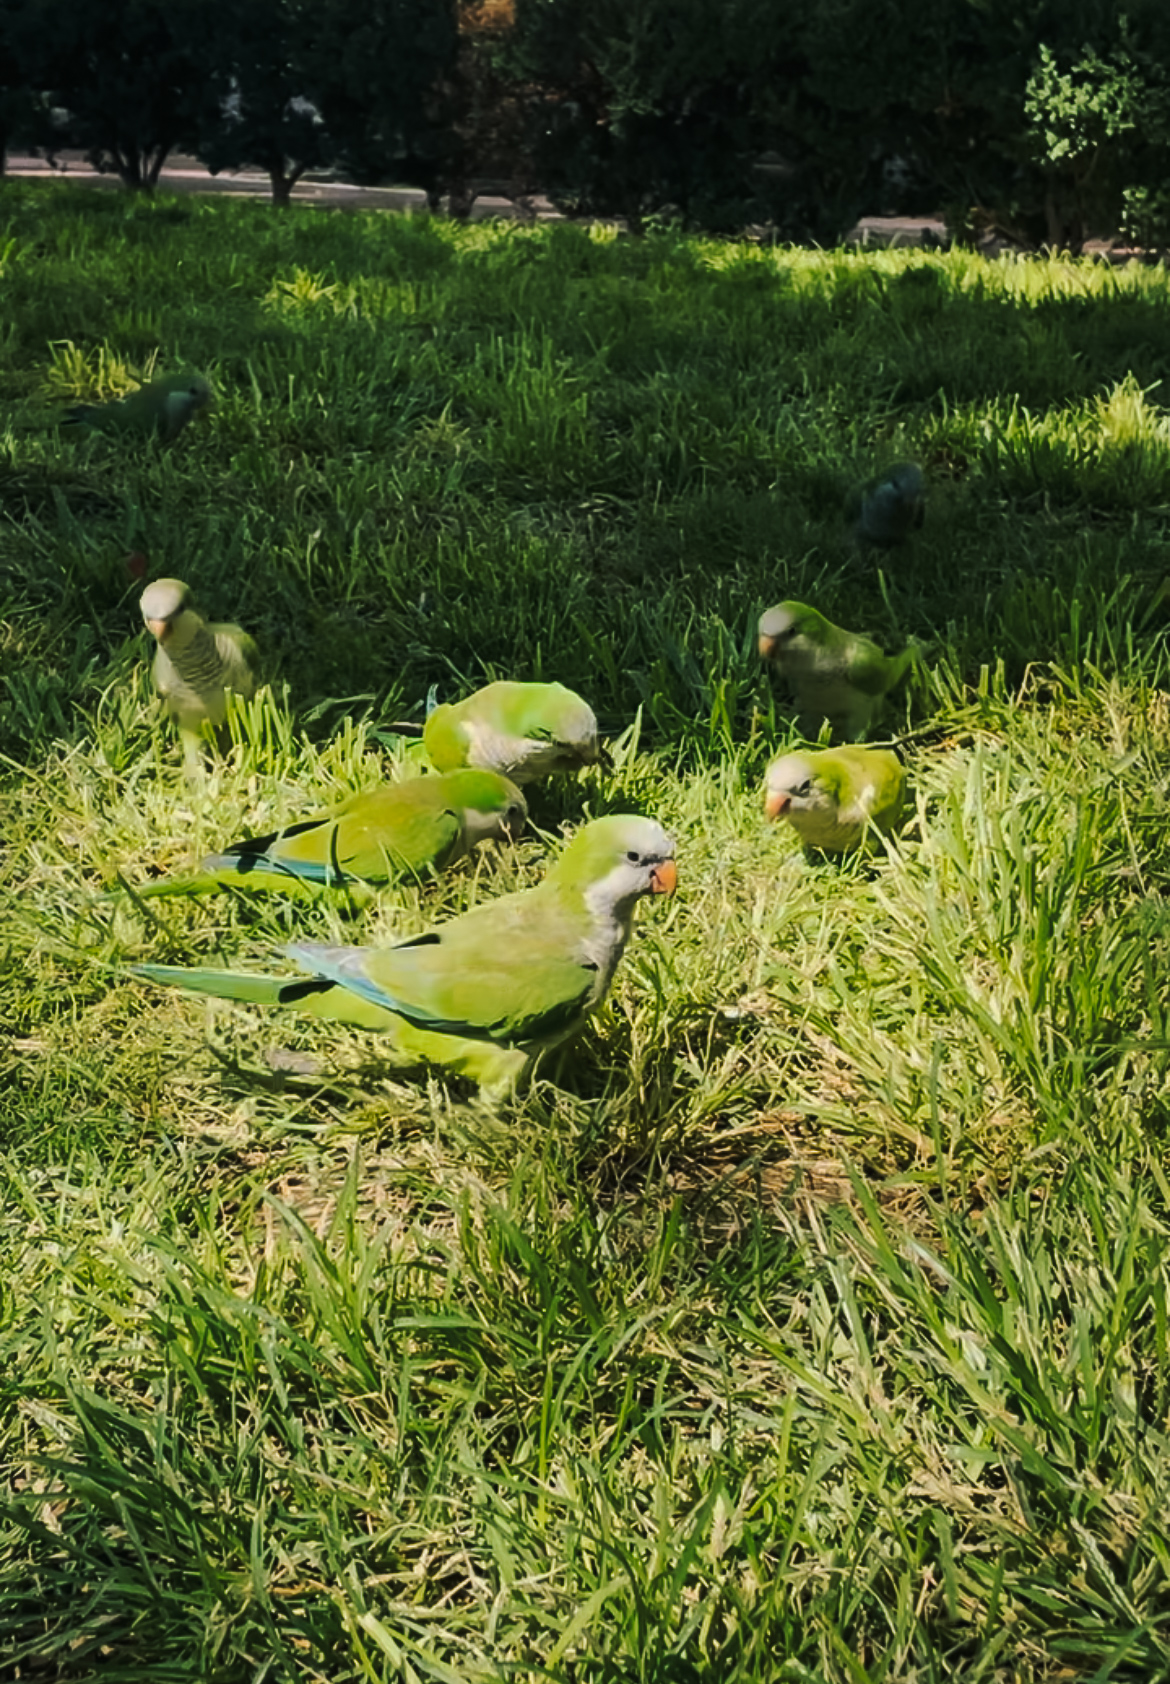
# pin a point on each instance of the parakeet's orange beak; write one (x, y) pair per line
(777, 803)
(664, 878)
(767, 647)
(160, 629)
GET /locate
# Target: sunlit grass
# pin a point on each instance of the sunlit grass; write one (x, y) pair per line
(806, 1319)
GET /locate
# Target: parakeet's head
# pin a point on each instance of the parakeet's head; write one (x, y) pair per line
(554, 714)
(795, 784)
(615, 860)
(193, 389)
(491, 804)
(779, 625)
(908, 478)
(163, 603)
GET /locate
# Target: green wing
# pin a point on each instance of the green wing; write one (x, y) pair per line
(384, 833)
(443, 739)
(873, 673)
(377, 836)
(509, 971)
(238, 656)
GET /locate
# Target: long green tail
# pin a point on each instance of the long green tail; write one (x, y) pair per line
(203, 884)
(227, 985)
(254, 877)
(496, 1068)
(315, 995)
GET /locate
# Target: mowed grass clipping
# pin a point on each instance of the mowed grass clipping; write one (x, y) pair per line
(807, 1319)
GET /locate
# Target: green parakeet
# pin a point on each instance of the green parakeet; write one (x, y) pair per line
(482, 994)
(834, 797)
(890, 506)
(524, 731)
(832, 674)
(195, 664)
(160, 410)
(407, 829)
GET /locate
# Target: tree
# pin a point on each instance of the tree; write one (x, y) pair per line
(268, 119)
(16, 106)
(637, 105)
(316, 84)
(640, 106)
(382, 83)
(136, 78)
(1101, 131)
(971, 97)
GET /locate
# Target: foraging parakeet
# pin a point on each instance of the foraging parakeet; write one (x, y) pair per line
(407, 829)
(195, 664)
(890, 506)
(159, 410)
(524, 731)
(483, 994)
(832, 674)
(834, 797)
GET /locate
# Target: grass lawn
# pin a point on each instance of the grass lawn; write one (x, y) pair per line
(807, 1319)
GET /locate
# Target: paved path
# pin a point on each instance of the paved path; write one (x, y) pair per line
(181, 174)
(187, 175)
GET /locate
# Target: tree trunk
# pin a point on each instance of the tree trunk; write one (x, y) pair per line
(126, 165)
(283, 181)
(155, 162)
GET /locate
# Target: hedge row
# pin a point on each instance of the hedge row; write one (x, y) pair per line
(1049, 119)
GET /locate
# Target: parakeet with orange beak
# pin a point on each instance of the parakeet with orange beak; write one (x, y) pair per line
(833, 675)
(482, 995)
(835, 798)
(195, 665)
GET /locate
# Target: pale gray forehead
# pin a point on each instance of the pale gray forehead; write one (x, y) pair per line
(790, 769)
(582, 721)
(164, 598)
(648, 837)
(774, 620)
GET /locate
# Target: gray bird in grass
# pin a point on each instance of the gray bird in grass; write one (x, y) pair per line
(890, 506)
(832, 674)
(195, 665)
(159, 410)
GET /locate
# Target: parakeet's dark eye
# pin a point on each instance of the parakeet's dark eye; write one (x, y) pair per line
(633, 856)
(804, 788)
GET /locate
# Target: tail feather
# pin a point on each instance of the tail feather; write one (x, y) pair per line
(497, 1068)
(225, 985)
(201, 885)
(266, 871)
(319, 996)
(231, 871)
